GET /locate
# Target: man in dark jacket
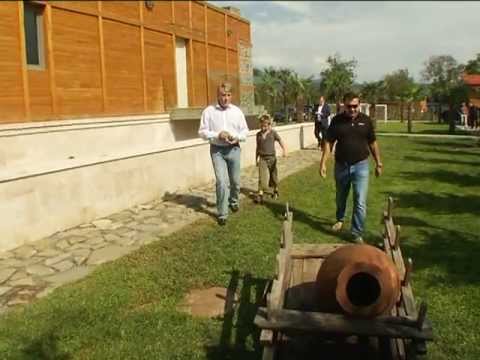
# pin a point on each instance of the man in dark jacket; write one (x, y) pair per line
(321, 112)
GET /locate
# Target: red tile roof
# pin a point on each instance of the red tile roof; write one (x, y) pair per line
(471, 79)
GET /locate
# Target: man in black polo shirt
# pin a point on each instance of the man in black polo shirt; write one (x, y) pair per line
(354, 138)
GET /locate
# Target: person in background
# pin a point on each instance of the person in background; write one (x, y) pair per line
(224, 126)
(321, 113)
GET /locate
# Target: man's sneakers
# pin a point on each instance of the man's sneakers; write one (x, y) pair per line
(358, 239)
(234, 208)
(275, 195)
(337, 226)
(222, 221)
(259, 198)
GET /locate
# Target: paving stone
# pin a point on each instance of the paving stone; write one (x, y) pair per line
(44, 292)
(49, 253)
(153, 220)
(57, 259)
(121, 230)
(25, 252)
(73, 274)
(27, 281)
(6, 255)
(63, 244)
(4, 290)
(99, 246)
(63, 266)
(11, 263)
(5, 274)
(79, 246)
(20, 274)
(106, 254)
(95, 241)
(103, 224)
(39, 270)
(112, 237)
(45, 243)
(74, 239)
(130, 234)
(15, 302)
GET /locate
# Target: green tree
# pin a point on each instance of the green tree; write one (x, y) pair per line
(473, 66)
(337, 79)
(443, 74)
(398, 85)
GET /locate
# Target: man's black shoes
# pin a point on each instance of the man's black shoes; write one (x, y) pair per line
(222, 221)
(234, 208)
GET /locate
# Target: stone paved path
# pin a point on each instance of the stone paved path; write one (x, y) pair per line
(32, 271)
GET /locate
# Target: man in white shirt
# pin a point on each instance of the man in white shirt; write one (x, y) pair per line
(224, 126)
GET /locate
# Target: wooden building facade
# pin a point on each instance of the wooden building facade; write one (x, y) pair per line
(77, 59)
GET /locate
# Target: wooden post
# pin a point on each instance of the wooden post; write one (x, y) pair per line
(225, 34)
(191, 99)
(408, 271)
(23, 57)
(102, 56)
(142, 54)
(51, 62)
(396, 242)
(206, 51)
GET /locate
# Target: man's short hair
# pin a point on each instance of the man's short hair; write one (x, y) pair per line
(349, 96)
(226, 86)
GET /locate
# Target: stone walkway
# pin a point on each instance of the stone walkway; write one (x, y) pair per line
(34, 270)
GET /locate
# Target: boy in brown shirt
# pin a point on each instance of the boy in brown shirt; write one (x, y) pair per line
(266, 157)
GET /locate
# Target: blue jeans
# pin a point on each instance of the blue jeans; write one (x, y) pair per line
(226, 165)
(356, 176)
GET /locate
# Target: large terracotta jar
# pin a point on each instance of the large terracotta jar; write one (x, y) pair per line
(359, 280)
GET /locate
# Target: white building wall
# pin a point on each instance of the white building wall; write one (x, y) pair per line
(57, 175)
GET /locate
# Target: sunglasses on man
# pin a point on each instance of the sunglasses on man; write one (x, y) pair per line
(352, 106)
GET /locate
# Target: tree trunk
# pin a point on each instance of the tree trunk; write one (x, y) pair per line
(401, 111)
(409, 118)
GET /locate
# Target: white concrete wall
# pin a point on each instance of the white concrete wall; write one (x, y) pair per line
(57, 175)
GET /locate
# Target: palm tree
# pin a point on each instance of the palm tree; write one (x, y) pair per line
(372, 92)
(413, 94)
(268, 87)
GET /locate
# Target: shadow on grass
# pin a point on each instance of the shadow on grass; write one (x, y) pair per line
(442, 161)
(445, 176)
(438, 204)
(44, 348)
(437, 247)
(240, 338)
(190, 201)
(447, 143)
(453, 152)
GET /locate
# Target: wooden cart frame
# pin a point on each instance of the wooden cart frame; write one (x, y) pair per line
(289, 314)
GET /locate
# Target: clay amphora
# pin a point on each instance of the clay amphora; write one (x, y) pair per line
(358, 280)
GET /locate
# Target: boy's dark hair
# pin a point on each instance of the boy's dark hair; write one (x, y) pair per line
(349, 96)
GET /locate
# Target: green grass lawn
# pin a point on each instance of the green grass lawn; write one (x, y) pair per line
(127, 309)
(419, 127)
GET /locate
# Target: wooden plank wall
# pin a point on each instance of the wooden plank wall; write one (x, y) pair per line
(115, 58)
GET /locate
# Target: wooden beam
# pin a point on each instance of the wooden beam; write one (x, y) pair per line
(142, 53)
(294, 320)
(23, 58)
(225, 35)
(102, 57)
(206, 51)
(51, 60)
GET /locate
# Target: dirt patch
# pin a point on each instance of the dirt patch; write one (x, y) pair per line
(207, 303)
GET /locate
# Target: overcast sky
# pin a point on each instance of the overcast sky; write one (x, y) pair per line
(381, 36)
